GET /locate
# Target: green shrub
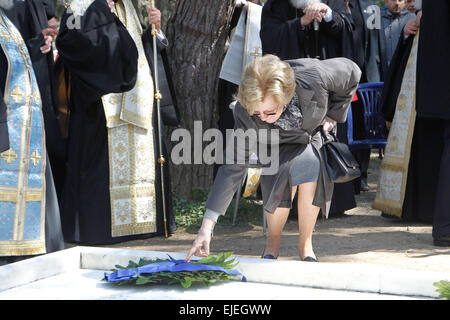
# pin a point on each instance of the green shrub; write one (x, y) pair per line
(189, 212)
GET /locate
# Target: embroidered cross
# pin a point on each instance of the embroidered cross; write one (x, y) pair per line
(9, 155)
(17, 95)
(35, 157)
(255, 53)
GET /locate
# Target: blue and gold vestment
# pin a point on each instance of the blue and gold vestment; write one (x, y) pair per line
(22, 167)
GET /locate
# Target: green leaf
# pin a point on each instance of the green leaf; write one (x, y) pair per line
(186, 282)
(132, 264)
(443, 288)
(221, 260)
(142, 280)
(117, 266)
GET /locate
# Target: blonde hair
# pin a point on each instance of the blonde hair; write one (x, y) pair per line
(267, 75)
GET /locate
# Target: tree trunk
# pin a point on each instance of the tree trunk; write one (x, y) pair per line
(166, 8)
(197, 33)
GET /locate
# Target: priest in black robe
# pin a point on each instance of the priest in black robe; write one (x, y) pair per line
(42, 13)
(283, 34)
(427, 186)
(102, 58)
(362, 45)
(31, 18)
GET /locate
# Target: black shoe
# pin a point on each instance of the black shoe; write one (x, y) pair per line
(442, 241)
(268, 256)
(364, 186)
(310, 259)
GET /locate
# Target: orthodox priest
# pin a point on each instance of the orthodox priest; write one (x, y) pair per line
(113, 188)
(362, 46)
(293, 29)
(29, 212)
(36, 29)
(415, 173)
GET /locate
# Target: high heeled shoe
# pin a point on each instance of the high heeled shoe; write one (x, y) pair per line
(267, 256)
(310, 259)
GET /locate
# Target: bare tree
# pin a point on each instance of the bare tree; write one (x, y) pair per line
(197, 32)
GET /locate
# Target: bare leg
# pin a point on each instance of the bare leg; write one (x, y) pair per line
(307, 216)
(275, 225)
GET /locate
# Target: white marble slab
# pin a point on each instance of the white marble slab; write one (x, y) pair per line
(85, 284)
(77, 273)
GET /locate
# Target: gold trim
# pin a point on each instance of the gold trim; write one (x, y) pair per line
(27, 196)
(388, 206)
(4, 35)
(135, 119)
(18, 250)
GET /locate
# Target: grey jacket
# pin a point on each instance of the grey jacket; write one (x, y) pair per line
(324, 88)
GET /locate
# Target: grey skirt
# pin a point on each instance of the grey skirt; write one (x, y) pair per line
(305, 166)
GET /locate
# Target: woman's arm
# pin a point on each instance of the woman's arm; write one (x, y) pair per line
(226, 183)
(340, 78)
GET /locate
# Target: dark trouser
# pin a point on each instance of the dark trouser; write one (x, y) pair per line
(441, 220)
(362, 156)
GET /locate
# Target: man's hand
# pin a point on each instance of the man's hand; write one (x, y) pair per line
(241, 3)
(49, 35)
(154, 17)
(314, 11)
(53, 24)
(412, 26)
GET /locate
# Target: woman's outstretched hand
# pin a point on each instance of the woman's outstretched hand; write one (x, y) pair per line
(200, 247)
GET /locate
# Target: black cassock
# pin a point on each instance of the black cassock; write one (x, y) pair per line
(282, 35)
(4, 135)
(101, 58)
(30, 18)
(428, 182)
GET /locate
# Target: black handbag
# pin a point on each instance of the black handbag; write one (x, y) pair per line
(339, 161)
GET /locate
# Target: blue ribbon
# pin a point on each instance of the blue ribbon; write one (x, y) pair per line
(170, 266)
